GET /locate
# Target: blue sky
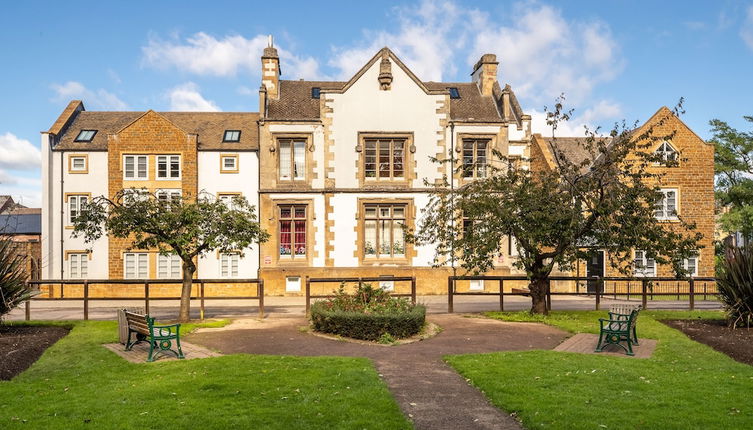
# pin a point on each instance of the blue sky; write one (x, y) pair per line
(613, 59)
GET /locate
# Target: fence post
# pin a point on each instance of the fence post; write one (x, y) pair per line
(146, 297)
(260, 290)
(201, 298)
(413, 289)
(450, 306)
(86, 300)
(548, 294)
(644, 288)
(692, 294)
(678, 290)
(597, 294)
(28, 309)
(308, 295)
(501, 294)
(62, 293)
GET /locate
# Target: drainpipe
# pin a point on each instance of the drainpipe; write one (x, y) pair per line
(62, 215)
(452, 195)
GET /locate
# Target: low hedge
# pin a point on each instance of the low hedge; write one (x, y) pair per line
(368, 326)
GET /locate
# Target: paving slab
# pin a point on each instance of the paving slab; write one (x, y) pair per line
(140, 352)
(585, 343)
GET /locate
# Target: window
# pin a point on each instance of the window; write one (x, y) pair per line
(666, 205)
(135, 166)
(228, 199)
(387, 285)
(512, 246)
(131, 195)
(76, 204)
(384, 158)
(232, 136)
(78, 265)
(78, 164)
(292, 158)
(474, 158)
(666, 152)
(85, 136)
(229, 265)
(691, 265)
(292, 231)
(454, 93)
(293, 284)
(168, 195)
(476, 285)
(136, 265)
(383, 231)
(228, 164)
(642, 265)
(316, 92)
(169, 266)
(168, 167)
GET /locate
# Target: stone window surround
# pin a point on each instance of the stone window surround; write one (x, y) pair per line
(224, 169)
(410, 216)
(491, 146)
(85, 157)
(309, 161)
(290, 261)
(67, 197)
(408, 150)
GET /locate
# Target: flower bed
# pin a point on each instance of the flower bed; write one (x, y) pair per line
(368, 314)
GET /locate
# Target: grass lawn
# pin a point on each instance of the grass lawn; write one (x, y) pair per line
(79, 384)
(685, 384)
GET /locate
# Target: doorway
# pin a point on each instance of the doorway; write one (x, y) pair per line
(595, 267)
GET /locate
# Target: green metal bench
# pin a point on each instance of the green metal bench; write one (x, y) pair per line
(160, 337)
(619, 328)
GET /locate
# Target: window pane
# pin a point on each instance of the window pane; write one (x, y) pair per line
(385, 241)
(384, 212)
(130, 266)
(398, 245)
(162, 167)
(285, 238)
(371, 212)
(175, 166)
(83, 264)
(229, 163)
(300, 212)
(286, 211)
(285, 160)
(74, 265)
(299, 165)
(397, 160)
(142, 161)
(398, 212)
(384, 159)
(468, 159)
(370, 236)
(234, 258)
(370, 159)
(300, 238)
(224, 265)
(671, 203)
(129, 168)
(481, 159)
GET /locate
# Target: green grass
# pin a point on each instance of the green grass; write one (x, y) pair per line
(79, 384)
(685, 384)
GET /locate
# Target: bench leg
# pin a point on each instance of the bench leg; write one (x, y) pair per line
(180, 351)
(150, 358)
(629, 350)
(599, 346)
(635, 337)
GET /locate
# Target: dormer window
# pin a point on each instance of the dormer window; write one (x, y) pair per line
(85, 135)
(316, 92)
(666, 152)
(454, 93)
(232, 136)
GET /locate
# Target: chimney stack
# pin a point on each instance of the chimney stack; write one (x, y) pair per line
(270, 70)
(485, 73)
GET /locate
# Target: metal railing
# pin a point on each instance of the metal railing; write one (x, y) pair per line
(647, 289)
(359, 281)
(86, 297)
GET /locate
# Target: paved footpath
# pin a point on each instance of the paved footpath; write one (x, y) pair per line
(428, 391)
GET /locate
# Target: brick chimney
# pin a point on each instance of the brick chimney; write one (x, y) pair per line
(270, 70)
(485, 73)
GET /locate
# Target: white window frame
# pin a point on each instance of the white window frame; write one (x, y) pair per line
(136, 159)
(292, 284)
(227, 261)
(169, 160)
(476, 285)
(83, 167)
(662, 205)
(644, 270)
(138, 257)
(75, 202)
(229, 199)
(663, 154)
(169, 266)
(78, 265)
(685, 265)
(224, 167)
(170, 193)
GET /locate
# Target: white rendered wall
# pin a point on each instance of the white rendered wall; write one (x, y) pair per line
(246, 182)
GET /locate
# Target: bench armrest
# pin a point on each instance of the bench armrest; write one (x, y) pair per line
(157, 330)
(609, 322)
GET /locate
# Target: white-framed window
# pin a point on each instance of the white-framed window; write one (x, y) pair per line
(666, 205)
(476, 285)
(136, 265)
(168, 194)
(135, 194)
(78, 164)
(228, 199)
(169, 266)
(292, 158)
(387, 285)
(293, 284)
(642, 265)
(691, 264)
(76, 204)
(229, 265)
(229, 164)
(667, 152)
(168, 167)
(78, 266)
(135, 167)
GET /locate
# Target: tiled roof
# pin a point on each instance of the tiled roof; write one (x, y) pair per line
(295, 100)
(209, 126)
(21, 224)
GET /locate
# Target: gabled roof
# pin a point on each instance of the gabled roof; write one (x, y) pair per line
(209, 126)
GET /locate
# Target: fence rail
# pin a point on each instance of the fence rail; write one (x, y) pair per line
(358, 281)
(146, 297)
(643, 288)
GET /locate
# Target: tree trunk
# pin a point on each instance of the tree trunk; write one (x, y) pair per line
(538, 287)
(185, 294)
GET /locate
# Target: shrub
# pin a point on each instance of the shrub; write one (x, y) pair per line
(368, 314)
(735, 285)
(13, 288)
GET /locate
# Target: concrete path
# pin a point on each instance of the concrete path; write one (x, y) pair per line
(428, 391)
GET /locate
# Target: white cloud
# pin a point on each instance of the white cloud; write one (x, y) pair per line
(19, 154)
(599, 115)
(99, 99)
(746, 32)
(186, 97)
(26, 191)
(206, 55)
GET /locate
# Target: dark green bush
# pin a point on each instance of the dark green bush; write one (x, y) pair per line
(13, 288)
(735, 285)
(368, 314)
